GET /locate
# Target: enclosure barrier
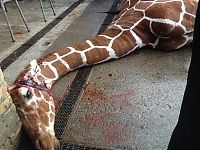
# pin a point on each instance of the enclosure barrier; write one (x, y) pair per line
(9, 120)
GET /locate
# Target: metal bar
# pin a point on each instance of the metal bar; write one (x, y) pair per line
(42, 8)
(6, 17)
(22, 15)
(52, 7)
(5, 7)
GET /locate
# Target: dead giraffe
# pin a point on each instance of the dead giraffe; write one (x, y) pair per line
(163, 24)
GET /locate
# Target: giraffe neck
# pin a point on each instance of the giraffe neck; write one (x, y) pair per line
(111, 44)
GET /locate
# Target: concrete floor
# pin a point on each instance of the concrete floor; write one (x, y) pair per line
(32, 12)
(131, 103)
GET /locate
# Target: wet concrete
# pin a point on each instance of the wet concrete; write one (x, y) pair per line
(130, 103)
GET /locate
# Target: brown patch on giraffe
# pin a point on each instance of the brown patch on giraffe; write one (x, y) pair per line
(32, 121)
(74, 60)
(40, 78)
(46, 96)
(95, 55)
(100, 41)
(112, 32)
(46, 71)
(188, 21)
(133, 2)
(50, 58)
(43, 105)
(29, 108)
(63, 51)
(170, 44)
(37, 93)
(167, 30)
(129, 19)
(43, 117)
(142, 30)
(125, 5)
(190, 7)
(124, 43)
(81, 46)
(33, 104)
(60, 67)
(172, 11)
(143, 5)
(119, 15)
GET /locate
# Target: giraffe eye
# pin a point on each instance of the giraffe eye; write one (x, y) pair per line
(29, 94)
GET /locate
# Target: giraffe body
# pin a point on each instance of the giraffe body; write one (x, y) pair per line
(162, 24)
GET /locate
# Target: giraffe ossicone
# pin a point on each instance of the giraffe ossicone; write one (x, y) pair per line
(162, 24)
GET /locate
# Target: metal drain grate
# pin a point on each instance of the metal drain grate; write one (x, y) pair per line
(69, 102)
(24, 47)
(66, 146)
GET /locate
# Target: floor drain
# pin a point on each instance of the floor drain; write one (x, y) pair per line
(67, 106)
(66, 146)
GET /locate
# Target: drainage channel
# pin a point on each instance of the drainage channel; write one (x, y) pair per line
(78, 147)
(75, 91)
(24, 47)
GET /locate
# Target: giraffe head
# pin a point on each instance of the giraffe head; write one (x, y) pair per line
(35, 107)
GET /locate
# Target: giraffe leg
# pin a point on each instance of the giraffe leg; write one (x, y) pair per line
(169, 44)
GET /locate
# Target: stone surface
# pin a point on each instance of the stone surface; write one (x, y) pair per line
(9, 121)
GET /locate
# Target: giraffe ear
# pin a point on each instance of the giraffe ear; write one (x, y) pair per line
(34, 67)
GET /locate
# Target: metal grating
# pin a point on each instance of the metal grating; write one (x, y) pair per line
(24, 47)
(67, 106)
(66, 146)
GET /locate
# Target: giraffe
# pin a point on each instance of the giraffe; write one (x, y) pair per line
(160, 24)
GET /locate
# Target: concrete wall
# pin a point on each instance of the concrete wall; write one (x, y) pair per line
(9, 121)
